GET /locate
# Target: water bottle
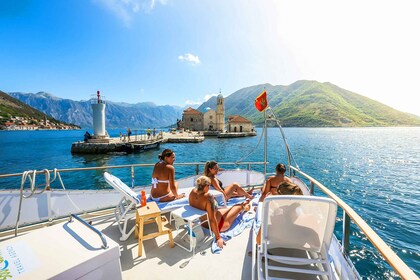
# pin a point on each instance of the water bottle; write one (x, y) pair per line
(143, 198)
(193, 237)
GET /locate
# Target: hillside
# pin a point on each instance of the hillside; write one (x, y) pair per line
(310, 103)
(302, 104)
(16, 114)
(118, 115)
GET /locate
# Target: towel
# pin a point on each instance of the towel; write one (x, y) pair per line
(243, 221)
(174, 204)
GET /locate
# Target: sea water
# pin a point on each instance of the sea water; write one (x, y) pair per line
(374, 170)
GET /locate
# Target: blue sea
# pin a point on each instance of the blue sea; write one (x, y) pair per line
(374, 170)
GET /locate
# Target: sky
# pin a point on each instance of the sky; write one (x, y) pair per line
(178, 52)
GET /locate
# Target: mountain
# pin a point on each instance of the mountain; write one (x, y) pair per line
(15, 114)
(118, 115)
(303, 103)
(311, 103)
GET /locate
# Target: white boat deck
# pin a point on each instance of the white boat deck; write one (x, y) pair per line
(160, 261)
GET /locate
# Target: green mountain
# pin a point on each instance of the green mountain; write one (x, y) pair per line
(13, 111)
(311, 103)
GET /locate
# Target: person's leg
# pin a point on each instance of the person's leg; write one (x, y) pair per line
(176, 189)
(230, 214)
(234, 190)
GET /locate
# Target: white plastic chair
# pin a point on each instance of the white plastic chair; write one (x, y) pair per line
(296, 233)
(125, 208)
(189, 216)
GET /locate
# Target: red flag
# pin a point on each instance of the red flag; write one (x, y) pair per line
(261, 102)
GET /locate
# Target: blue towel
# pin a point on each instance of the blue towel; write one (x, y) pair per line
(170, 205)
(243, 221)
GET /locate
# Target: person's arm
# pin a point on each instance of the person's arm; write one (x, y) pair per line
(211, 211)
(173, 187)
(215, 184)
(265, 189)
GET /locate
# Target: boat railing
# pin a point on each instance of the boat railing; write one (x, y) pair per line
(350, 215)
(32, 175)
(132, 167)
(104, 242)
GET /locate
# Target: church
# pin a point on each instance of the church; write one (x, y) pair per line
(214, 121)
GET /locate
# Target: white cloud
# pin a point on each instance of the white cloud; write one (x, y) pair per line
(127, 9)
(188, 57)
(208, 96)
(199, 102)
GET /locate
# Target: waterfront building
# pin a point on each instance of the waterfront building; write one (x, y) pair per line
(209, 119)
(213, 122)
(239, 124)
(192, 119)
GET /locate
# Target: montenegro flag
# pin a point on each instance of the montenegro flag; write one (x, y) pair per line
(261, 102)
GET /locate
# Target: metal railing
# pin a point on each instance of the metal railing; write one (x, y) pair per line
(57, 173)
(349, 214)
(104, 242)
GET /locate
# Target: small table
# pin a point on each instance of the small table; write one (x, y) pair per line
(151, 214)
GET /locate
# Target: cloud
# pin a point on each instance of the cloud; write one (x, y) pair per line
(208, 96)
(127, 9)
(188, 57)
(199, 102)
(191, 102)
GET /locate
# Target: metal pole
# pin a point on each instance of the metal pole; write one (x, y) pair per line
(311, 189)
(132, 176)
(265, 142)
(346, 232)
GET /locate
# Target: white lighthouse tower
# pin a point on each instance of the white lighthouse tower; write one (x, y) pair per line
(220, 113)
(98, 107)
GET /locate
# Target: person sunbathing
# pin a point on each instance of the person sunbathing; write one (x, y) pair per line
(273, 182)
(233, 190)
(220, 219)
(164, 187)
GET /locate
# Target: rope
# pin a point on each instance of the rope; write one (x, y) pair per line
(252, 151)
(22, 184)
(284, 137)
(57, 174)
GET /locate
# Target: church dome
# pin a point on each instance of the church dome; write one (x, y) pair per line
(220, 96)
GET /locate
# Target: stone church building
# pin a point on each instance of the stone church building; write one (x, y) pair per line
(211, 120)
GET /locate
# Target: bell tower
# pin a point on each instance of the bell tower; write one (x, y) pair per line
(220, 112)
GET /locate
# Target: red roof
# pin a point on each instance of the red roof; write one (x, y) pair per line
(238, 119)
(191, 111)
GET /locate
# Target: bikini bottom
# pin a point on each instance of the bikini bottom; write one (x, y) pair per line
(157, 199)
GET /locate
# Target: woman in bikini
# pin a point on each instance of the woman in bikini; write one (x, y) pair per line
(220, 219)
(273, 182)
(233, 190)
(164, 187)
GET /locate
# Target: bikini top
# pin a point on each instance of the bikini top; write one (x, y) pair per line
(155, 181)
(220, 184)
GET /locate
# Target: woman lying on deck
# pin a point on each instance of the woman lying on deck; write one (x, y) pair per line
(233, 190)
(164, 187)
(220, 219)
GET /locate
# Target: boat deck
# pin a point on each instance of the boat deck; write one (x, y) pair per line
(160, 261)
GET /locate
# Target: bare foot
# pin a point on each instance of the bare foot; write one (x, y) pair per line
(250, 193)
(246, 206)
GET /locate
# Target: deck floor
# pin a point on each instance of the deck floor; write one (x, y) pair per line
(160, 261)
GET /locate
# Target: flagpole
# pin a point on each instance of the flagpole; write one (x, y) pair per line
(265, 143)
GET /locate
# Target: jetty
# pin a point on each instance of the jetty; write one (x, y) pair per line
(236, 134)
(182, 137)
(136, 144)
